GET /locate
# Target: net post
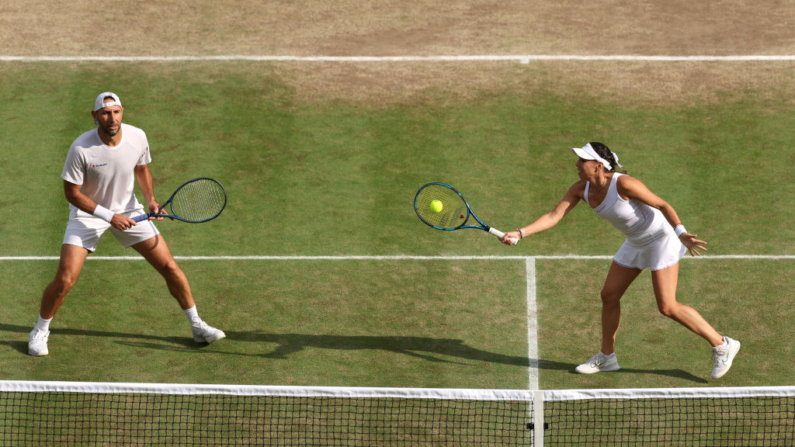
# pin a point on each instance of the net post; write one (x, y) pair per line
(538, 418)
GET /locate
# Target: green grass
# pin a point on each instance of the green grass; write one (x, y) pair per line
(331, 323)
(744, 299)
(338, 178)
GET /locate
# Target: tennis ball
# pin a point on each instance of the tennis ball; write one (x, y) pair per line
(436, 206)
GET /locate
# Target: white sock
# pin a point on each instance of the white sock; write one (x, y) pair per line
(608, 356)
(192, 314)
(43, 325)
(724, 344)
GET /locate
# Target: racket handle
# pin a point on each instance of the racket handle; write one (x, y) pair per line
(141, 218)
(501, 235)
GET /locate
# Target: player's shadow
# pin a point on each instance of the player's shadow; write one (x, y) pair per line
(21, 345)
(426, 348)
(421, 347)
(675, 373)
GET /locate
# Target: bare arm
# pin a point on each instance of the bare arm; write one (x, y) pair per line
(144, 177)
(550, 219)
(84, 203)
(633, 188)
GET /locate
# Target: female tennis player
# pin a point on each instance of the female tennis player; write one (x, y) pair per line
(656, 239)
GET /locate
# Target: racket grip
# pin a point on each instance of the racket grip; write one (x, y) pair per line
(501, 235)
(141, 218)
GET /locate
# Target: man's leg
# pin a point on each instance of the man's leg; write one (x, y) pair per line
(69, 268)
(156, 252)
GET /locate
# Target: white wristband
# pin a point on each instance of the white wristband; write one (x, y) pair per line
(103, 213)
(680, 230)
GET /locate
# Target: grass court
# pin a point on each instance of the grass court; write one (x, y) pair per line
(322, 175)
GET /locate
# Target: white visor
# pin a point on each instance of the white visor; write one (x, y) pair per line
(588, 153)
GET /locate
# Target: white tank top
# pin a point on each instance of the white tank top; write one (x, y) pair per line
(640, 223)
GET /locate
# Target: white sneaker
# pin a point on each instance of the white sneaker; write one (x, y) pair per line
(599, 363)
(37, 343)
(723, 356)
(204, 333)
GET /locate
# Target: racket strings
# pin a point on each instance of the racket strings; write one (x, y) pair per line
(199, 201)
(453, 214)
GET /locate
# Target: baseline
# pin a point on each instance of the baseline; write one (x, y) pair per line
(524, 59)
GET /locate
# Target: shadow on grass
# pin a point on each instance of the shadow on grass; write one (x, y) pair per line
(22, 346)
(425, 348)
(421, 347)
(675, 373)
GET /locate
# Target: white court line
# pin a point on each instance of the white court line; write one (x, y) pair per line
(532, 324)
(530, 275)
(384, 258)
(525, 59)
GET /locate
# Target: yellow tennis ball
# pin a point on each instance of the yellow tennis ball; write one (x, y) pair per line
(436, 206)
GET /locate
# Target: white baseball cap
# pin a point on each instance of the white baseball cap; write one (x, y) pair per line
(100, 103)
(587, 152)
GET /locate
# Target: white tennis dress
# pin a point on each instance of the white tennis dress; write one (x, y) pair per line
(651, 241)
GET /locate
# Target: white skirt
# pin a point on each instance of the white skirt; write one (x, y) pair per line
(656, 255)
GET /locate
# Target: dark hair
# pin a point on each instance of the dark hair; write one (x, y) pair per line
(607, 154)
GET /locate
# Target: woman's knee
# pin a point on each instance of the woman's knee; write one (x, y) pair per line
(668, 309)
(610, 298)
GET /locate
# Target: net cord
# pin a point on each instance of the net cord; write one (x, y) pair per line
(373, 392)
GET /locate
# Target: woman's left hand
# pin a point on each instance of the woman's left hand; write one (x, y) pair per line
(693, 245)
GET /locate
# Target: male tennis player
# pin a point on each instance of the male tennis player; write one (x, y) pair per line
(99, 176)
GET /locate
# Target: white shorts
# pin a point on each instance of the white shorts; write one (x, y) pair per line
(84, 230)
(656, 255)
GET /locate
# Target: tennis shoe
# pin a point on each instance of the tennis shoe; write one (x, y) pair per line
(37, 343)
(204, 333)
(723, 356)
(599, 363)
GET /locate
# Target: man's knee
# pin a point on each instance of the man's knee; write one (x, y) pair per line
(64, 281)
(170, 268)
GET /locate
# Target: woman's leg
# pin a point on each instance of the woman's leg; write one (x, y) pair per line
(665, 282)
(618, 280)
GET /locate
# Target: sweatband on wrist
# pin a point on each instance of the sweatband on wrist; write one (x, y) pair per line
(103, 213)
(680, 230)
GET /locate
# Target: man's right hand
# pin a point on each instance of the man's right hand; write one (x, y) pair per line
(121, 222)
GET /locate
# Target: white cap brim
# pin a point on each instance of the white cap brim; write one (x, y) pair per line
(100, 103)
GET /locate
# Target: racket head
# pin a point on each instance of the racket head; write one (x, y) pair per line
(198, 200)
(455, 210)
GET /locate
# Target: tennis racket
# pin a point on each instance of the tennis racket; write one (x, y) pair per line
(196, 201)
(440, 206)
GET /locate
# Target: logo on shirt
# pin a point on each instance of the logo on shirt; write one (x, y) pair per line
(99, 166)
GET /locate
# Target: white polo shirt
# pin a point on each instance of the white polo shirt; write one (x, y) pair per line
(107, 174)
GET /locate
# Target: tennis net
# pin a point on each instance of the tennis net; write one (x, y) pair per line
(129, 414)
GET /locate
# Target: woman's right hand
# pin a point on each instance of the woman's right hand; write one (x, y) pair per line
(510, 238)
